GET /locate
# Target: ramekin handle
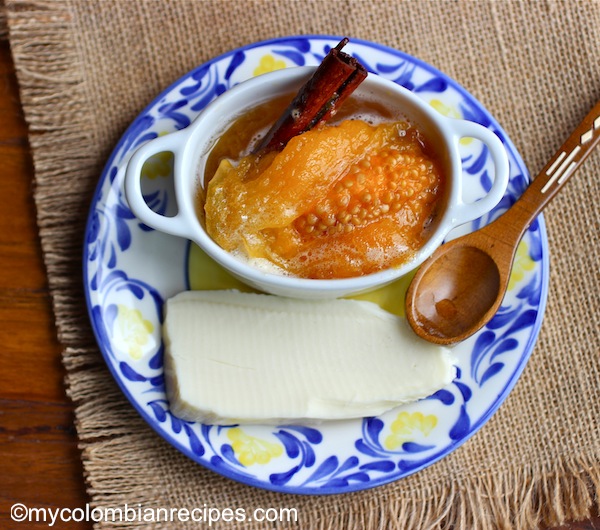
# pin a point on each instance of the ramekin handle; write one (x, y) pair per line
(465, 212)
(177, 225)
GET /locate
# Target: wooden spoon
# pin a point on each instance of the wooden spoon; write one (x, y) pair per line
(460, 287)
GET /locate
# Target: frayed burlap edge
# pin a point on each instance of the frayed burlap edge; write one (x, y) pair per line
(3, 22)
(53, 96)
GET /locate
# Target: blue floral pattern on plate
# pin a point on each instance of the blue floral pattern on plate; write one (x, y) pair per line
(130, 270)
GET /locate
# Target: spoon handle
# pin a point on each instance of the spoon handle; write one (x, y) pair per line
(561, 166)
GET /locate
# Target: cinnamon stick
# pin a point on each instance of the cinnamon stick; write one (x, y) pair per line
(334, 80)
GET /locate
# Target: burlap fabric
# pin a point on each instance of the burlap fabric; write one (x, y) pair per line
(86, 68)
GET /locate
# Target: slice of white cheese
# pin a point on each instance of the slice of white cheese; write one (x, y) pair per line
(234, 357)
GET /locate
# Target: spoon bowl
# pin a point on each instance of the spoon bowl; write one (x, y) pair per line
(440, 305)
(459, 288)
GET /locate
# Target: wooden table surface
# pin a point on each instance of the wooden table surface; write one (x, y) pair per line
(39, 460)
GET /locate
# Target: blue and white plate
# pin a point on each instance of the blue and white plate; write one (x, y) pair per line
(130, 270)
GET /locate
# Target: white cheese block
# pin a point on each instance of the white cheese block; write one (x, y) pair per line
(234, 357)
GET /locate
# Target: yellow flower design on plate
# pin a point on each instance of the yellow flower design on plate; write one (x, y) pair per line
(159, 165)
(268, 63)
(522, 264)
(449, 112)
(407, 426)
(135, 330)
(252, 450)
